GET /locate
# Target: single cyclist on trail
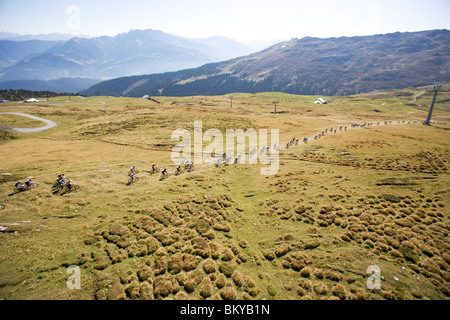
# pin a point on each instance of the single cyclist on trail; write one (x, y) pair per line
(189, 165)
(28, 183)
(19, 185)
(62, 180)
(132, 173)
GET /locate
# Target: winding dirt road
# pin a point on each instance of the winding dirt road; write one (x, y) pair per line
(50, 124)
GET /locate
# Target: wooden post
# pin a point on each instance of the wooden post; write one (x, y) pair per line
(275, 103)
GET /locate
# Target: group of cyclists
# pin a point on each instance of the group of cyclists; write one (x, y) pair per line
(62, 183)
(189, 166)
(23, 186)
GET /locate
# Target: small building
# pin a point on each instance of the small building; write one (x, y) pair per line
(31, 100)
(320, 101)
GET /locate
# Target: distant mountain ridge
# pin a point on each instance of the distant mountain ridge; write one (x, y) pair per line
(63, 85)
(134, 52)
(42, 37)
(333, 66)
(11, 52)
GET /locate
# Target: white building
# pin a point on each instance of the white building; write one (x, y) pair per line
(320, 101)
(31, 100)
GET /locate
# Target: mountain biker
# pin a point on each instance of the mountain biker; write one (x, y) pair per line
(69, 184)
(58, 179)
(179, 169)
(61, 180)
(164, 172)
(132, 170)
(189, 165)
(28, 183)
(19, 185)
(154, 168)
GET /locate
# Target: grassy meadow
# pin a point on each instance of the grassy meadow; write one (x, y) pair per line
(366, 195)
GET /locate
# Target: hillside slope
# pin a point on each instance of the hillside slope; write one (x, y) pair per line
(334, 66)
(360, 196)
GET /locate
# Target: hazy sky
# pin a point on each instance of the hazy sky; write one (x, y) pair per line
(243, 20)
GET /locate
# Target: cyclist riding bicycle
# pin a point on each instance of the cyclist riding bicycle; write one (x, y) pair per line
(28, 183)
(164, 172)
(19, 185)
(61, 180)
(154, 168)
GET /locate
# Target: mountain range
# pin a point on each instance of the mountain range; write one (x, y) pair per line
(310, 66)
(26, 62)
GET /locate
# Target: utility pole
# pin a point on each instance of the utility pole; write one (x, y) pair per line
(275, 103)
(436, 89)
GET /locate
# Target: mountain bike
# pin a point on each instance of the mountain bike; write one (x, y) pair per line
(154, 170)
(57, 188)
(133, 179)
(20, 189)
(32, 185)
(164, 176)
(72, 187)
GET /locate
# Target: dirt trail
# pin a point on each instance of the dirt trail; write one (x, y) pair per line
(415, 98)
(50, 123)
